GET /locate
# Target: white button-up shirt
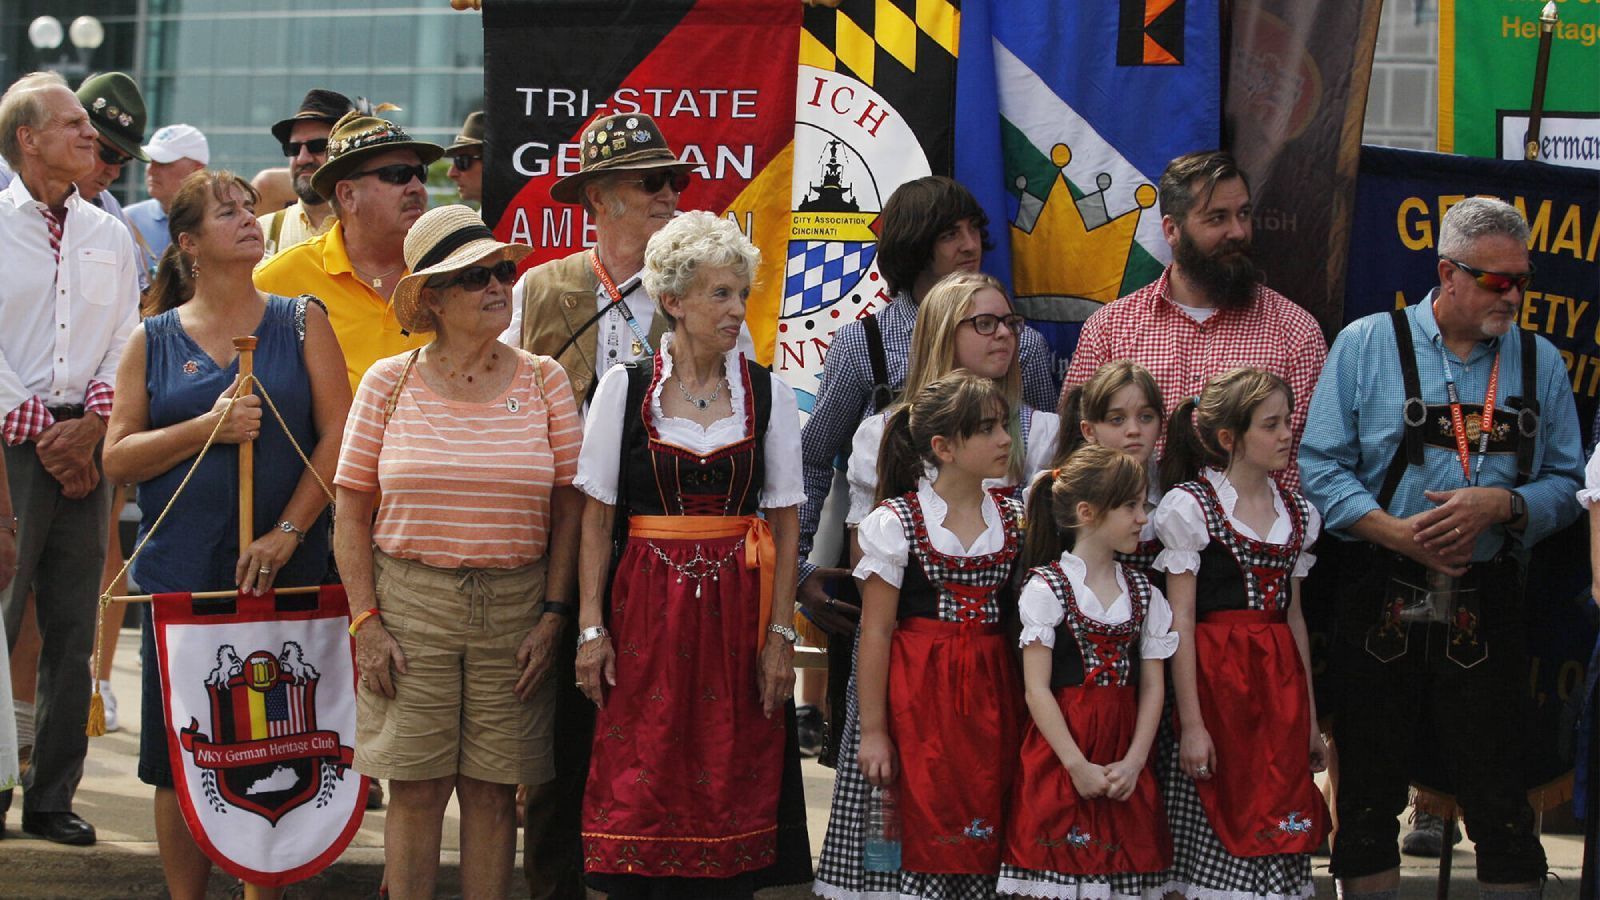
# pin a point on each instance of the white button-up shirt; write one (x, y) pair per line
(62, 328)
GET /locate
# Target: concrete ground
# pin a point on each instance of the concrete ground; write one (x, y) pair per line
(124, 863)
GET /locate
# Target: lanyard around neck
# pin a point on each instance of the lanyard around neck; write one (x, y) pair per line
(1470, 471)
(618, 303)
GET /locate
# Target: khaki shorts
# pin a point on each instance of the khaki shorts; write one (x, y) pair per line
(455, 711)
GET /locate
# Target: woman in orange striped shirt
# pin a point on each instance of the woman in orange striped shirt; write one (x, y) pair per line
(465, 450)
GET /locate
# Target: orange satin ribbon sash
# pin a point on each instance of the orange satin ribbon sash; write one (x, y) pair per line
(760, 551)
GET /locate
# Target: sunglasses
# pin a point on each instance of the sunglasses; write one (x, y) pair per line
(655, 181)
(464, 163)
(986, 323)
(476, 278)
(399, 173)
(111, 156)
(315, 147)
(1499, 282)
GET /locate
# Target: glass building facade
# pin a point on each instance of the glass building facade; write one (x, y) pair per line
(233, 67)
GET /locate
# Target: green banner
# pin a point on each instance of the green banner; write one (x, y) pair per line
(1487, 55)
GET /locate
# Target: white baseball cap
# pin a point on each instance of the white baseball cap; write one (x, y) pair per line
(171, 143)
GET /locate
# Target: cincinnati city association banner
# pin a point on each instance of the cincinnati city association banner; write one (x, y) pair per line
(1487, 55)
(260, 706)
(1401, 196)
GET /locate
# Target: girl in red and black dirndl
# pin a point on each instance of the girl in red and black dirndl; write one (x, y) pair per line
(1086, 819)
(1120, 407)
(1244, 809)
(935, 712)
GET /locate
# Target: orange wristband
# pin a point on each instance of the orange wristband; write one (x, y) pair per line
(358, 620)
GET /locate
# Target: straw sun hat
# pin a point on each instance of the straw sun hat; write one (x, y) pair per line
(445, 239)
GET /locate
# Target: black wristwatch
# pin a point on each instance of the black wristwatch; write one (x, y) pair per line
(1519, 506)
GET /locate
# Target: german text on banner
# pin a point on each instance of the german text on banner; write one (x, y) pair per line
(873, 95)
(1487, 55)
(260, 706)
(716, 75)
(1294, 104)
(1401, 196)
(1066, 115)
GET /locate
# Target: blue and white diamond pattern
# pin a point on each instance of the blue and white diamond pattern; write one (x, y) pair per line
(820, 272)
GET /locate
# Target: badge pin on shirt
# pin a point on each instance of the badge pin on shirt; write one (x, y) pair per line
(513, 404)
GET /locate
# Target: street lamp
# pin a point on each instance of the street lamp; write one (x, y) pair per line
(86, 34)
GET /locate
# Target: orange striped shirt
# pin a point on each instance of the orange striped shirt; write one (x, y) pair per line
(464, 484)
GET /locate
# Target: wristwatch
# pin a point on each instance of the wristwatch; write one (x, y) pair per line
(1519, 506)
(592, 633)
(288, 527)
(784, 631)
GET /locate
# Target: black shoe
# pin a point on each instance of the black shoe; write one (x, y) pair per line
(1428, 837)
(811, 731)
(61, 827)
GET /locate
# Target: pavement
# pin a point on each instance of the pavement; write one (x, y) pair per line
(124, 863)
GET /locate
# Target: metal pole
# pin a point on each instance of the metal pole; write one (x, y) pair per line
(1446, 853)
(1541, 69)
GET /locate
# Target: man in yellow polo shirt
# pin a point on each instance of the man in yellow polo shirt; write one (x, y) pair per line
(376, 178)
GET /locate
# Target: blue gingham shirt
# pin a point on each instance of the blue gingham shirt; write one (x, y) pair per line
(1354, 425)
(845, 398)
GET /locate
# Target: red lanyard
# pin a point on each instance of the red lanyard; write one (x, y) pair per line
(1458, 421)
(642, 340)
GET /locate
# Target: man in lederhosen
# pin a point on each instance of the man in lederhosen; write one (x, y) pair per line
(1436, 509)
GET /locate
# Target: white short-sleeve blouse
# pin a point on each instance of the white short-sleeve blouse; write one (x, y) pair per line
(601, 457)
(885, 548)
(1181, 525)
(1041, 611)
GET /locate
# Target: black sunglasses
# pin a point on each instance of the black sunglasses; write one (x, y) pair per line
(399, 173)
(465, 163)
(476, 278)
(986, 323)
(111, 156)
(655, 181)
(315, 147)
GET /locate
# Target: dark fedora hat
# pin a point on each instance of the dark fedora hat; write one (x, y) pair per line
(117, 110)
(623, 142)
(319, 105)
(357, 137)
(471, 136)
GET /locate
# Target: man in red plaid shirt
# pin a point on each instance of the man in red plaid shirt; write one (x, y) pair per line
(1209, 311)
(69, 299)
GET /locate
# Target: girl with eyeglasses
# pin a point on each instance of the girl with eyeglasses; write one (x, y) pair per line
(965, 322)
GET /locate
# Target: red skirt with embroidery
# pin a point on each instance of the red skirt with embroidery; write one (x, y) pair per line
(685, 774)
(1261, 800)
(1052, 829)
(954, 717)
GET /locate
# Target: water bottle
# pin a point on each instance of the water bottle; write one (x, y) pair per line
(882, 850)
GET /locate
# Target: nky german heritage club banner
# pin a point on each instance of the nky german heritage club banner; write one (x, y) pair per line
(1400, 197)
(1487, 52)
(718, 76)
(261, 718)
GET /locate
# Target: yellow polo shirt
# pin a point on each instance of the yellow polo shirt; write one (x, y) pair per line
(362, 320)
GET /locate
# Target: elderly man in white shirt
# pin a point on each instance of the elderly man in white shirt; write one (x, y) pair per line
(69, 300)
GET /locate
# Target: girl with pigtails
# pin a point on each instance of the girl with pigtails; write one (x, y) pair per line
(933, 712)
(1085, 818)
(1244, 811)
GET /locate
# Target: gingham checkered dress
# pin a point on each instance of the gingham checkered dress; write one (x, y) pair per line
(1202, 868)
(839, 872)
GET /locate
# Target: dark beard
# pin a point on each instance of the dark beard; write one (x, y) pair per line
(307, 194)
(1228, 275)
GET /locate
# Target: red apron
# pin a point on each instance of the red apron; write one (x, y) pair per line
(1261, 800)
(1052, 829)
(954, 696)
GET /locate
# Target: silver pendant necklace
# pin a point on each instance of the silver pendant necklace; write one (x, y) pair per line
(701, 402)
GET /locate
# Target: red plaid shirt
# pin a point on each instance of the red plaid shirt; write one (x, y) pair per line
(29, 420)
(1270, 333)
